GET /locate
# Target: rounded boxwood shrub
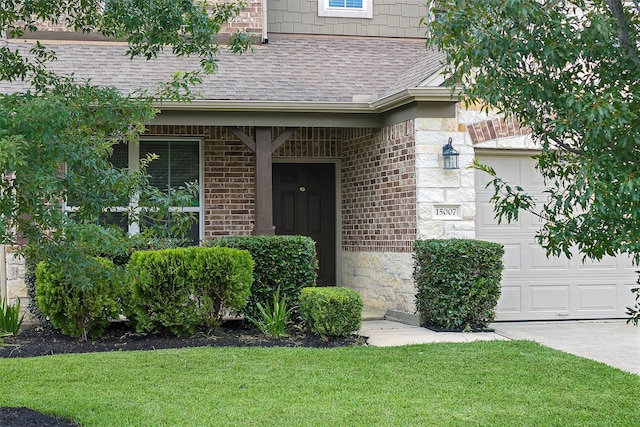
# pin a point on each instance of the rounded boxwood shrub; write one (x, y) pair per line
(331, 311)
(458, 282)
(179, 290)
(79, 309)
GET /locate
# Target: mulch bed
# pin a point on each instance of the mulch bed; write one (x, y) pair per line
(42, 341)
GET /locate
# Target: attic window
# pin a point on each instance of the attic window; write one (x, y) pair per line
(346, 8)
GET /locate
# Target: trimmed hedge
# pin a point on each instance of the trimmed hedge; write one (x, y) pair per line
(285, 262)
(79, 311)
(178, 290)
(331, 311)
(458, 282)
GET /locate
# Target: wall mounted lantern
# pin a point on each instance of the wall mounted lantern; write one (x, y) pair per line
(450, 156)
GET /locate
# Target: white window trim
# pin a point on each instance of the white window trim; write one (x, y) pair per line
(134, 159)
(344, 12)
(134, 164)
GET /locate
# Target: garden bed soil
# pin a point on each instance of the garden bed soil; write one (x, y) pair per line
(44, 341)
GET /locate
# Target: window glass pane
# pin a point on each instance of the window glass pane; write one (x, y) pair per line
(184, 163)
(192, 234)
(158, 168)
(119, 219)
(120, 157)
(350, 4)
(178, 163)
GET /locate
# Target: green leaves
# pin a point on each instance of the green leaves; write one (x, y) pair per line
(10, 319)
(274, 317)
(458, 282)
(56, 139)
(570, 71)
(149, 27)
(331, 311)
(560, 69)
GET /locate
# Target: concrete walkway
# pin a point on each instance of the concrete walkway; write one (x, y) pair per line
(384, 333)
(608, 341)
(613, 342)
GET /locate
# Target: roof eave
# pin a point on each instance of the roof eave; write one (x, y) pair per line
(387, 103)
(417, 94)
(268, 106)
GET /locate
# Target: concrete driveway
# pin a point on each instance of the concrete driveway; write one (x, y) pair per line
(613, 342)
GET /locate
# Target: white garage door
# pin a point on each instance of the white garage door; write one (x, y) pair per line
(535, 287)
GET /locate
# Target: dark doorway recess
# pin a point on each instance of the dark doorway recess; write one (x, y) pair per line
(304, 204)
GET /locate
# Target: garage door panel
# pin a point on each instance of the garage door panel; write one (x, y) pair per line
(506, 168)
(627, 297)
(535, 287)
(539, 260)
(626, 262)
(607, 263)
(487, 218)
(598, 297)
(510, 300)
(549, 298)
(512, 257)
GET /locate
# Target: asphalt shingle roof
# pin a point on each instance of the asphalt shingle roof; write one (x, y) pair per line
(289, 68)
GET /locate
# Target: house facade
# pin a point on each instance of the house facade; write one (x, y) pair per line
(333, 127)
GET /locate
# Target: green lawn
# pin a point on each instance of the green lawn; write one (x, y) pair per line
(483, 383)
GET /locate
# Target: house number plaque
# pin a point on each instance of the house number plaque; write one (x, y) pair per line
(448, 212)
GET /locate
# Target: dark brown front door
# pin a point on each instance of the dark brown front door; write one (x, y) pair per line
(304, 204)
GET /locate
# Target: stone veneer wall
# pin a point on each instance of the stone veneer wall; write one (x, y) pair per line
(437, 186)
(379, 215)
(12, 285)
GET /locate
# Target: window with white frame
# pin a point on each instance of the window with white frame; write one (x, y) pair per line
(346, 8)
(179, 161)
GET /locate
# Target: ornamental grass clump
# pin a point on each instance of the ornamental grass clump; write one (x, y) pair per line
(10, 319)
(274, 318)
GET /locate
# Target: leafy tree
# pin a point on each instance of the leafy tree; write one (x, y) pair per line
(56, 138)
(570, 71)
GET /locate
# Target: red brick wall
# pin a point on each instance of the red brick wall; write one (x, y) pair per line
(377, 186)
(250, 20)
(310, 142)
(228, 179)
(379, 189)
(495, 129)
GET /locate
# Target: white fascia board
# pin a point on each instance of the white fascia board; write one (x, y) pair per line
(268, 106)
(422, 94)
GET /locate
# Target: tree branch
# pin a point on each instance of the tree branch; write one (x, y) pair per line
(616, 8)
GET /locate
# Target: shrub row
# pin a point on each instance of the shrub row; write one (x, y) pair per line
(458, 282)
(172, 290)
(177, 290)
